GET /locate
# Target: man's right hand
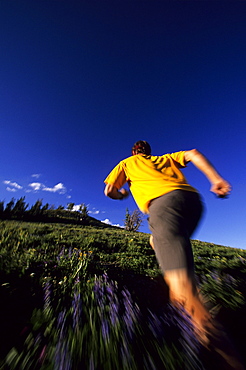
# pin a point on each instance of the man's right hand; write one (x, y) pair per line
(221, 188)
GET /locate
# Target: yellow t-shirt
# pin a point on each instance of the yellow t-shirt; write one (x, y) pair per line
(150, 177)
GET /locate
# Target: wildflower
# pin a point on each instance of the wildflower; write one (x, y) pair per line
(105, 329)
(126, 355)
(215, 276)
(241, 259)
(114, 313)
(62, 355)
(131, 313)
(155, 326)
(91, 363)
(77, 310)
(42, 355)
(228, 279)
(105, 277)
(47, 295)
(60, 255)
(99, 292)
(111, 290)
(188, 339)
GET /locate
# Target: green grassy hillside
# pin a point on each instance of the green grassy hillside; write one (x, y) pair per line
(94, 298)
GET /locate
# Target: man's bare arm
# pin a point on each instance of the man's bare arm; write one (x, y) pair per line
(219, 186)
(112, 192)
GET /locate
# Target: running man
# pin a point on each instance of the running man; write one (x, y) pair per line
(175, 208)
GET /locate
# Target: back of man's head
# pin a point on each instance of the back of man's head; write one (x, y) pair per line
(141, 147)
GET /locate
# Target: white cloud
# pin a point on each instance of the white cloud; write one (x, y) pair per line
(36, 175)
(108, 222)
(76, 207)
(14, 185)
(36, 186)
(58, 188)
(11, 189)
(94, 211)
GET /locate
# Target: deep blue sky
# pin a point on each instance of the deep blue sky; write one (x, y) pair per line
(81, 81)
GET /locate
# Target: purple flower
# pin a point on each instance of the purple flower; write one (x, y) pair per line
(241, 259)
(111, 291)
(62, 355)
(99, 293)
(114, 312)
(214, 275)
(47, 295)
(61, 322)
(183, 321)
(42, 355)
(156, 326)
(149, 364)
(105, 277)
(131, 313)
(105, 329)
(229, 280)
(91, 363)
(77, 310)
(126, 355)
(61, 254)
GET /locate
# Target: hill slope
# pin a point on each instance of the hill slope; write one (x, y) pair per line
(46, 267)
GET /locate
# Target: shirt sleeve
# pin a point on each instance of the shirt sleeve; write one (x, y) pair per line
(116, 177)
(179, 157)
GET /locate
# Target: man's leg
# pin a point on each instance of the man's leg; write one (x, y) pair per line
(183, 290)
(172, 247)
(171, 242)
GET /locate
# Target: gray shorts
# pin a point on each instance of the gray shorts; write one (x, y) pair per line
(172, 219)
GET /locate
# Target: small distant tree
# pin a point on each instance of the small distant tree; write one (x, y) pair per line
(45, 207)
(19, 208)
(133, 220)
(1, 207)
(60, 208)
(70, 206)
(9, 208)
(83, 209)
(36, 209)
(59, 212)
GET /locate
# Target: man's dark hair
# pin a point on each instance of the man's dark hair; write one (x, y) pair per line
(141, 147)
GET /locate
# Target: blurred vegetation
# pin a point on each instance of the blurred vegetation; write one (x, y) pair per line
(50, 278)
